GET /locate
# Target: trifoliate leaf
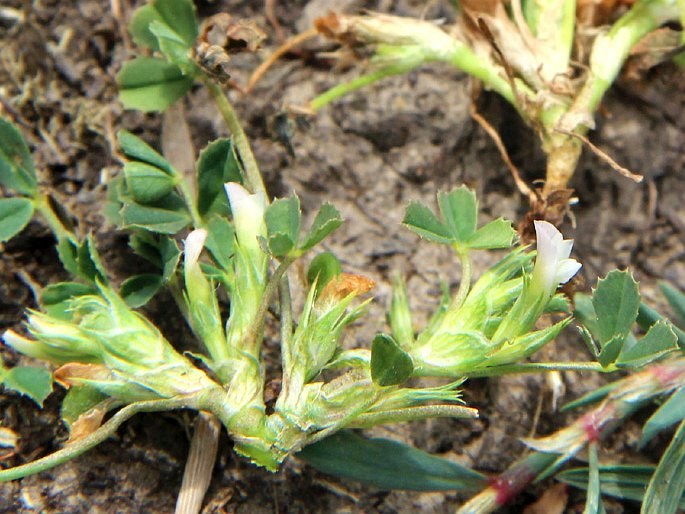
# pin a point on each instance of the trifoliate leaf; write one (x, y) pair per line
(177, 15)
(283, 221)
(15, 213)
(139, 289)
(36, 383)
(150, 84)
(136, 148)
(216, 165)
(147, 183)
(459, 209)
(420, 219)
(327, 220)
(17, 171)
(390, 364)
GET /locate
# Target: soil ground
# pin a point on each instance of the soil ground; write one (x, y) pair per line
(369, 153)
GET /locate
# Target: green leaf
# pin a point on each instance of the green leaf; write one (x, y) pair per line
(67, 251)
(283, 221)
(647, 316)
(399, 315)
(36, 383)
(139, 289)
(670, 413)
(147, 183)
(79, 400)
(173, 47)
(55, 299)
(136, 148)
(162, 251)
(611, 350)
(150, 84)
(327, 220)
(584, 311)
(389, 465)
(626, 482)
(323, 268)
(15, 213)
(616, 301)
(459, 209)
(220, 241)
(498, 233)
(676, 300)
(665, 490)
(420, 219)
(89, 264)
(390, 364)
(16, 165)
(177, 15)
(593, 502)
(155, 219)
(170, 254)
(593, 396)
(659, 342)
(216, 165)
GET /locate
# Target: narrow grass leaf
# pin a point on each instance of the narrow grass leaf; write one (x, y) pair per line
(593, 502)
(671, 412)
(626, 482)
(665, 489)
(389, 465)
(676, 300)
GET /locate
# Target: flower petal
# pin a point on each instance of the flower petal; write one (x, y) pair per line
(193, 246)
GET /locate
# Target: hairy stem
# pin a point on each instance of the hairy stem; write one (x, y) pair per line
(253, 176)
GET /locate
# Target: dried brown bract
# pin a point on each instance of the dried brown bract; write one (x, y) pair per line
(346, 284)
(222, 36)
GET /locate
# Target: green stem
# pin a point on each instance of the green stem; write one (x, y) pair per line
(84, 444)
(465, 282)
(42, 205)
(286, 321)
(538, 367)
(253, 177)
(372, 419)
(610, 51)
(189, 199)
(365, 80)
(256, 331)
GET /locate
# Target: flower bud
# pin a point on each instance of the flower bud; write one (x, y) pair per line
(203, 306)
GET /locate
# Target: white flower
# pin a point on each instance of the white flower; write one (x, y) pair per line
(248, 214)
(552, 265)
(193, 246)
